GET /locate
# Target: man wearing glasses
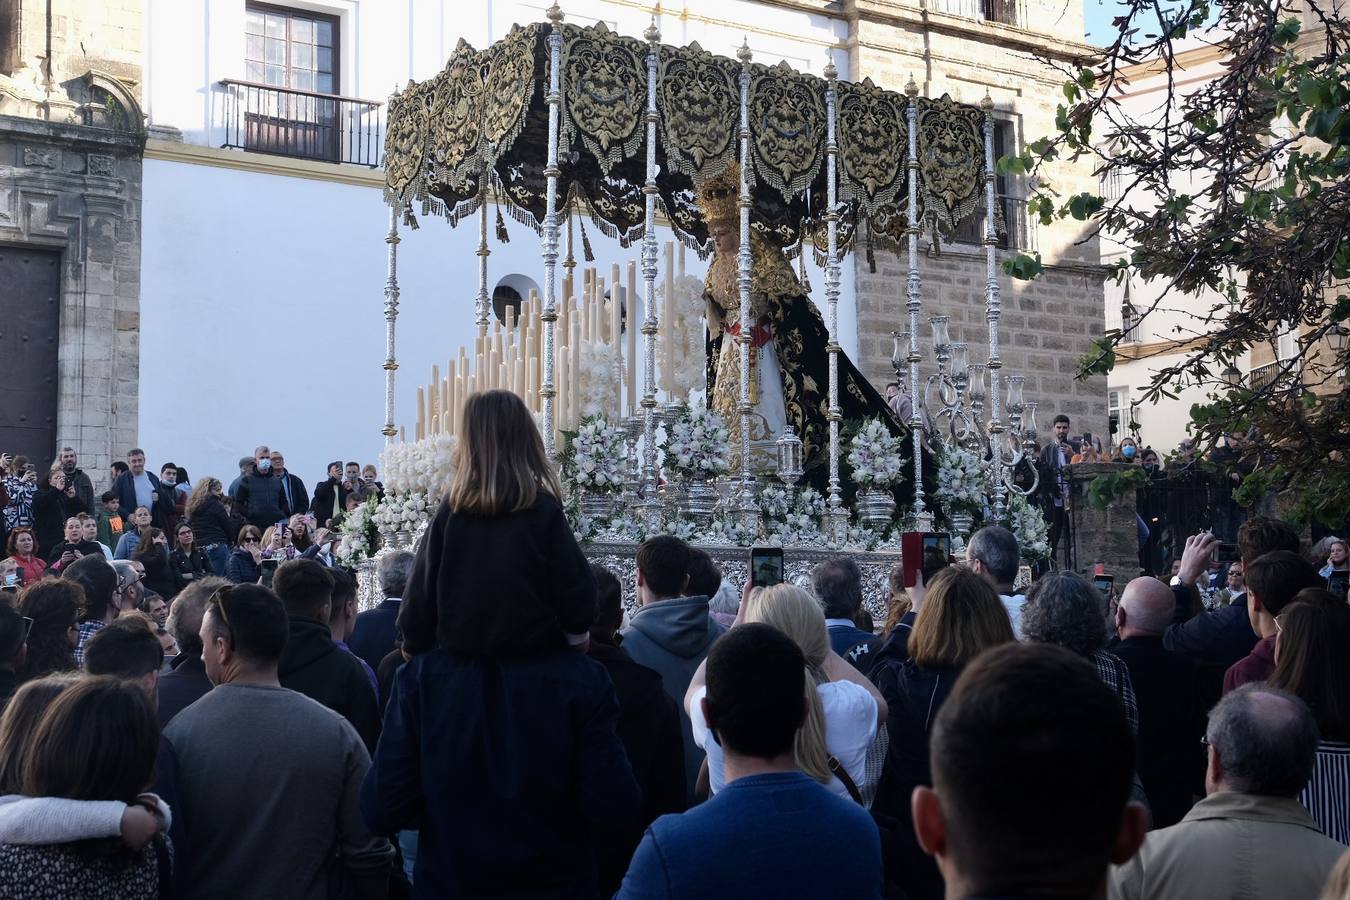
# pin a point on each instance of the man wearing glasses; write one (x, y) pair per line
(280, 842)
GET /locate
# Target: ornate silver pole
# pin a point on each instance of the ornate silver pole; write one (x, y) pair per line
(923, 521)
(991, 312)
(551, 172)
(651, 503)
(483, 254)
(836, 517)
(390, 316)
(747, 510)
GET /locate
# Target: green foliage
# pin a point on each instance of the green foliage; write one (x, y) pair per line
(1023, 267)
(1108, 487)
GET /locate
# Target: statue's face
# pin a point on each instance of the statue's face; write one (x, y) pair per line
(726, 238)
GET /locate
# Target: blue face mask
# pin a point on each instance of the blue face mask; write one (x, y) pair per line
(1127, 451)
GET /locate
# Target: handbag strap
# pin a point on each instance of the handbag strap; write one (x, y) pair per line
(838, 771)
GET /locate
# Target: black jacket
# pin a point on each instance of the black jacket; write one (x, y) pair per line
(241, 569)
(259, 499)
(298, 500)
(162, 515)
(211, 524)
(321, 670)
(649, 728)
(159, 576)
(181, 687)
(509, 585)
(913, 695)
(189, 567)
(84, 488)
(322, 507)
(1213, 639)
(88, 548)
(1170, 760)
(51, 508)
(375, 632)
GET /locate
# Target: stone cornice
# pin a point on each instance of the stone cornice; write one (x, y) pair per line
(76, 137)
(910, 14)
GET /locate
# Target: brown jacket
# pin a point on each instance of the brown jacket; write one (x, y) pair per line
(1232, 846)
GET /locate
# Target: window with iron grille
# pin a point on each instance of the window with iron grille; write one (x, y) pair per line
(291, 56)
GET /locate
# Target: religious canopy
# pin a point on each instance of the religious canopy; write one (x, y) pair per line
(482, 124)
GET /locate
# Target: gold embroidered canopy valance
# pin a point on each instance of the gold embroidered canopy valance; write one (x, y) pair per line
(481, 125)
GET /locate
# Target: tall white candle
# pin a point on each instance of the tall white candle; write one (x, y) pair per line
(575, 370)
(668, 326)
(630, 299)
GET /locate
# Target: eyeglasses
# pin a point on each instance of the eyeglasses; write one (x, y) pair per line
(217, 603)
(1279, 626)
(27, 627)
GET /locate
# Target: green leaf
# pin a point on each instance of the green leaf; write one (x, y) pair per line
(1083, 205)
(1286, 32)
(1023, 267)
(1100, 360)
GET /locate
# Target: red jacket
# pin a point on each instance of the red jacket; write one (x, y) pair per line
(1256, 666)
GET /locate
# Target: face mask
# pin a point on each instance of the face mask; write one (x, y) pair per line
(167, 479)
(1149, 467)
(1127, 451)
(264, 465)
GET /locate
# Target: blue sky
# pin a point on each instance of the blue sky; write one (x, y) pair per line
(1097, 16)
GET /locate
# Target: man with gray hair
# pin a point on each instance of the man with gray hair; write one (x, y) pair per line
(1249, 836)
(993, 553)
(1171, 719)
(185, 683)
(837, 584)
(376, 634)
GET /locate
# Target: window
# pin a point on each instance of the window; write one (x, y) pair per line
(1286, 343)
(291, 71)
(1129, 317)
(1012, 210)
(288, 49)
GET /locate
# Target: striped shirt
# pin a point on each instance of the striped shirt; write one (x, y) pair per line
(1327, 795)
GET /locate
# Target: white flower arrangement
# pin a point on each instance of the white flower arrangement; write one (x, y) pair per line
(684, 310)
(874, 456)
(726, 530)
(419, 467)
(796, 528)
(962, 482)
(699, 443)
(1029, 527)
(593, 458)
(402, 512)
(810, 502)
(359, 537)
(773, 502)
(597, 391)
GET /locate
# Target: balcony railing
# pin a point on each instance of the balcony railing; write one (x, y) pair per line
(303, 124)
(1006, 12)
(1018, 233)
(1282, 373)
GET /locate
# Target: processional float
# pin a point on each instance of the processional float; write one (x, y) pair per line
(556, 121)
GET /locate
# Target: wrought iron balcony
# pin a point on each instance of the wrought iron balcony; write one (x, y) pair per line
(303, 124)
(1018, 232)
(1005, 12)
(1284, 373)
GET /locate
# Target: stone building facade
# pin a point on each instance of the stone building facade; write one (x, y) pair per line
(970, 48)
(71, 139)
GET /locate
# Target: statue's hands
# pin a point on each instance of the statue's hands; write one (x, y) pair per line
(714, 314)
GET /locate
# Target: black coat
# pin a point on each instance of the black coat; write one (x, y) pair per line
(507, 585)
(1171, 761)
(322, 507)
(649, 728)
(51, 508)
(376, 631)
(159, 577)
(258, 497)
(241, 569)
(211, 524)
(181, 687)
(299, 497)
(164, 513)
(913, 695)
(321, 670)
(189, 567)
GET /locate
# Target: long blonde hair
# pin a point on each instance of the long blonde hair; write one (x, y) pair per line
(499, 460)
(204, 488)
(797, 614)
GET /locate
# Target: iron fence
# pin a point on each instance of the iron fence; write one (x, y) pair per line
(303, 124)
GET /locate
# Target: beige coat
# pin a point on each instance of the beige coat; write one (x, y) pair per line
(1231, 846)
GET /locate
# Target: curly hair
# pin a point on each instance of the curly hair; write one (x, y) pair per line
(1064, 608)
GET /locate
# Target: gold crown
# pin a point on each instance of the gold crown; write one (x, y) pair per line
(719, 197)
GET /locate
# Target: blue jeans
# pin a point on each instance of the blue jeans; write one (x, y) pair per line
(218, 556)
(407, 845)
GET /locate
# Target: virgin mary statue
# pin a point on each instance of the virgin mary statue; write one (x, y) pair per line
(789, 359)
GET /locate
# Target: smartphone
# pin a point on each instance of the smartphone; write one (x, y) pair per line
(1225, 553)
(269, 568)
(1104, 583)
(766, 566)
(14, 579)
(928, 552)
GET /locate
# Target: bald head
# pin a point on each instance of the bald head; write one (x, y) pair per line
(1145, 608)
(1261, 741)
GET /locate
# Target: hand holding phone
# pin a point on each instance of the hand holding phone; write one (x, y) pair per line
(766, 566)
(923, 552)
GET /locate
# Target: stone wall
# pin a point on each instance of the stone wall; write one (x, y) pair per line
(1047, 325)
(71, 139)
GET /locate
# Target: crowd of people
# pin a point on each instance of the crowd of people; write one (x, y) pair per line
(504, 724)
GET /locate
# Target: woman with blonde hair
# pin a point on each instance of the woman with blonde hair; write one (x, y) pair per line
(844, 710)
(498, 573)
(961, 616)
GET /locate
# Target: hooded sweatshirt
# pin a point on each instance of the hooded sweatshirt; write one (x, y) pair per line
(673, 637)
(316, 667)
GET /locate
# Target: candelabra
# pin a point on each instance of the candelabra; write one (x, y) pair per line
(789, 448)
